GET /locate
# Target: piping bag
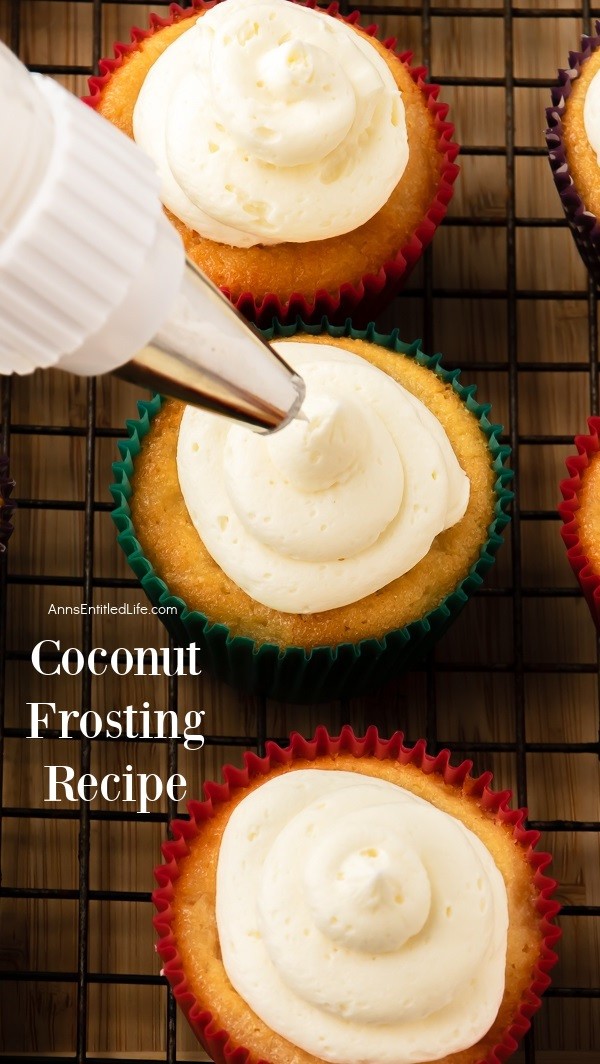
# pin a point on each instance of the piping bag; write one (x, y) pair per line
(94, 279)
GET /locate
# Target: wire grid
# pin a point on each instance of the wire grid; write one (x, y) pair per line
(504, 16)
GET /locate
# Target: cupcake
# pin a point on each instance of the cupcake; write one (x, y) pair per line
(6, 506)
(355, 901)
(305, 165)
(581, 515)
(573, 139)
(318, 561)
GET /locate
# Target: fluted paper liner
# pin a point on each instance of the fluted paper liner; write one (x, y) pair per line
(295, 674)
(6, 505)
(216, 1041)
(584, 225)
(589, 579)
(374, 291)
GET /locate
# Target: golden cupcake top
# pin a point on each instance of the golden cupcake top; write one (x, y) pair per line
(353, 902)
(272, 122)
(172, 502)
(334, 506)
(317, 130)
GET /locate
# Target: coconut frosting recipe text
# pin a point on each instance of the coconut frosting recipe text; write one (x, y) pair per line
(46, 720)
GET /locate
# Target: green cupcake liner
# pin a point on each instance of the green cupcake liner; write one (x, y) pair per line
(294, 674)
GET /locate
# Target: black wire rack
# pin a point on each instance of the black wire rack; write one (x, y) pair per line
(485, 661)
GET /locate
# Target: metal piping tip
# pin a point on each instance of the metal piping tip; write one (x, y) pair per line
(176, 376)
(207, 355)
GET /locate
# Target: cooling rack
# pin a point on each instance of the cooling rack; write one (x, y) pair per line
(514, 685)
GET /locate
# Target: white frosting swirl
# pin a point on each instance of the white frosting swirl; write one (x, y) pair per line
(591, 114)
(271, 122)
(330, 509)
(360, 922)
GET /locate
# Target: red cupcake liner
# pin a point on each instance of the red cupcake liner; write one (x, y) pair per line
(362, 301)
(215, 1040)
(589, 579)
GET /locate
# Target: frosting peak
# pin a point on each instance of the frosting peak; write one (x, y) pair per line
(366, 886)
(323, 450)
(269, 122)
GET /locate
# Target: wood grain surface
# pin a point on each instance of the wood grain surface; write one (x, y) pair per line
(128, 1020)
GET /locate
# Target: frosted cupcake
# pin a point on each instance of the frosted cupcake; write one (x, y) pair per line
(304, 164)
(318, 561)
(573, 140)
(355, 901)
(581, 515)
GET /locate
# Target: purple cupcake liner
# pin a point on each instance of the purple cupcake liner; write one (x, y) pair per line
(6, 506)
(584, 225)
